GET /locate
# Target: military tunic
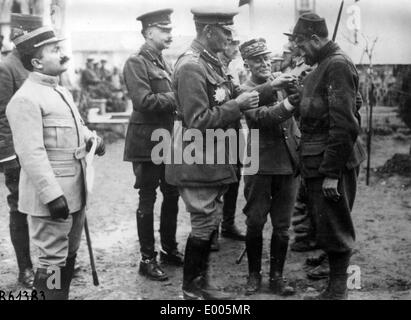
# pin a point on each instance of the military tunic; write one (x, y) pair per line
(148, 80)
(330, 146)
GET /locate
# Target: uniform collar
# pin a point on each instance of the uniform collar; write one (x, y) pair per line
(330, 48)
(46, 80)
(151, 51)
(206, 54)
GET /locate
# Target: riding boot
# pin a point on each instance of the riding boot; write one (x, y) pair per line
(194, 256)
(279, 246)
(67, 273)
(254, 246)
(41, 285)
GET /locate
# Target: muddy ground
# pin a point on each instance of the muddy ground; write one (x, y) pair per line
(382, 216)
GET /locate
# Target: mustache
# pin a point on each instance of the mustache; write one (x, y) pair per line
(64, 59)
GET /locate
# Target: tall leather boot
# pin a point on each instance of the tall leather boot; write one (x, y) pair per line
(193, 282)
(254, 247)
(19, 234)
(279, 246)
(210, 292)
(337, 283)
(40, 285)
(67, 273)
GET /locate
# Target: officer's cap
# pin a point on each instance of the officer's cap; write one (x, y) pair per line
(25, 22)
(35, 39)
(254, 48)
(222, 17)
(309, 24)
(158, 18)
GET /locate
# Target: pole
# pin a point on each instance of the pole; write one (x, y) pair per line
(338, 21)
(90, 252)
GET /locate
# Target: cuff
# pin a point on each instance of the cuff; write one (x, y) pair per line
(288, 105)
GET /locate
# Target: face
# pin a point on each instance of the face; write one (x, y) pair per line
(308, 48)
(260, 66)
(52, 60)
(160, 38)
(218, 38)
(231, 51)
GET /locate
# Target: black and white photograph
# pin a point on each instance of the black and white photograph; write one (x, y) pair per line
(180, 150)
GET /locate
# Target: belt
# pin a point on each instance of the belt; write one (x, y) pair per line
(59, 154)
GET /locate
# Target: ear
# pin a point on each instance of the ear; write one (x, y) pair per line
(208, 31)
(36, 63)
(246, 66)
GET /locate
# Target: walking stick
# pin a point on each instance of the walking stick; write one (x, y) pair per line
(90, 252)
(90, 184)
(241, 256)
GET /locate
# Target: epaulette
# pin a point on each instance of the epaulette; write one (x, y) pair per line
(190, 52)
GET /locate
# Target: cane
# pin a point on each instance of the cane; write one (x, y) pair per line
(90, 184)
(90, 252)
(241, 256)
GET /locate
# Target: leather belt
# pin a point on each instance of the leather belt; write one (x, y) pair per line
(56, 154)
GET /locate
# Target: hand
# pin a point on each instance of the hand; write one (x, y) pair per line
(295, 99)
(283, 81)
(100, 149)
(330, 189)
(248, 100)
(59, 208)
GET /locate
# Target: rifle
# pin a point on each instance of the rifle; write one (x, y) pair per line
(337, 23)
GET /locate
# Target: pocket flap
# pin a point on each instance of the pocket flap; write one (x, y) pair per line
(312, 148)
(66, 171)
(58, 123)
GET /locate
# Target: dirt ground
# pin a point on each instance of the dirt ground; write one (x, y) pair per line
(382, 217)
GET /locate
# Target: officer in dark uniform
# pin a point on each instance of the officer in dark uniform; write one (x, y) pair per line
(12, 76)
(273, 189)
(330, 152)
(148, 79)
(206, 99)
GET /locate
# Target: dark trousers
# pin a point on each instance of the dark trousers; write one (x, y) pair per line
(333, 224)
(230, 202)
(19, 231)
(269, 194)
(303, 220)
(148, 177)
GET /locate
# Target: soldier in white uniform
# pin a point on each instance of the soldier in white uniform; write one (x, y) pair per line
(50, 140)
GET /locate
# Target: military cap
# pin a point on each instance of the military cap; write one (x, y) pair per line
(222, 17)
(309, 24)
(158, 18)
(25, 22)
(254, 48)
(35, 39)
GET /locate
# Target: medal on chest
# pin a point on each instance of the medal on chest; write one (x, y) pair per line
(220, 95)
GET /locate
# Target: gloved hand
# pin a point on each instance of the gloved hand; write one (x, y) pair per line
(59, 208)
(101, 148)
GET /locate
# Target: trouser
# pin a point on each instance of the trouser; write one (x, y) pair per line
(334, 226)
(57, 239)
(148, 177)
(205, 205)
(302, 219)
(19, 230)
(230, 202)
(269, 194)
